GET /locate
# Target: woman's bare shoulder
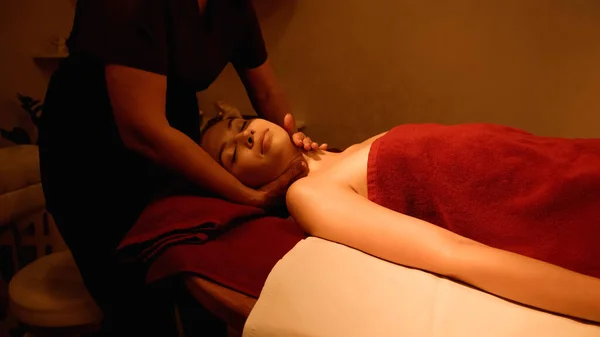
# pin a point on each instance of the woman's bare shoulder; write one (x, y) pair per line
(349, 172)
(366, 143)
(374, 138)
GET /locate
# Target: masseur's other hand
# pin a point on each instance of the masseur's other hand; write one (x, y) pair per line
(273, 193)
(299, 138)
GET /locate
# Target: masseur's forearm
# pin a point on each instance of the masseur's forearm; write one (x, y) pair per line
(527, 280)
(265, 93)
(138, 98)
(172, 149)
(272, 104)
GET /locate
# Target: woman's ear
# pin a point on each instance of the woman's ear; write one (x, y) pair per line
(226, 110)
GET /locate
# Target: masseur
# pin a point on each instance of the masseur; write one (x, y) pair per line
(121, 118)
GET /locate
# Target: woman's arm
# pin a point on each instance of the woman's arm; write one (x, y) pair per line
(139, 99)
(338, 214)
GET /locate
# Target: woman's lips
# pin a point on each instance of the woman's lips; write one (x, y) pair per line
(265, 142)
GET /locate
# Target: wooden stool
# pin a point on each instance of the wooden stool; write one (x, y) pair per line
(49, 297)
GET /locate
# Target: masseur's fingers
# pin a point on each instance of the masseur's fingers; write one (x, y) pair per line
(289, 125)
(298, 169)
(323, 147)
(307, 143)
(227, 109)
(275, 191)
(299, 138)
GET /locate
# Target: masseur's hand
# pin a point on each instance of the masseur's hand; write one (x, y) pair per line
(273, 193)
(299, 138)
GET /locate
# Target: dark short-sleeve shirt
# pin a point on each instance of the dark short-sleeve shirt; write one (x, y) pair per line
(172, 38)
(168, 37)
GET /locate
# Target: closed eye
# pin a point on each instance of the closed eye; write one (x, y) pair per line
(242, 128)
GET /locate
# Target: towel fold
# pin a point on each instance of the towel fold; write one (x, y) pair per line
(231, 244)
(506, 188)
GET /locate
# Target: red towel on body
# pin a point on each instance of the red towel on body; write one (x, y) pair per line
(535, 196)
(231, 244)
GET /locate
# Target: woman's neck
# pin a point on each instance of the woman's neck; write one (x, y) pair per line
(319, 159)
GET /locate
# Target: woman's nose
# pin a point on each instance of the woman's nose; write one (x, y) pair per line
(245, 138)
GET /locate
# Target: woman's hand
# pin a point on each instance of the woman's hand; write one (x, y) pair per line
(299, 138)
(273, 194)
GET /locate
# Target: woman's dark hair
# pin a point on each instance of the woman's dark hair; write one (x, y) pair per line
(211, 122)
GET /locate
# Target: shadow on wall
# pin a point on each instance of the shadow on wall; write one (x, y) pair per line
(46, 66)
(354, 69)
(274, 16)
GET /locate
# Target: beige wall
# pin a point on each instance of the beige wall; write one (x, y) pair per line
(354, 68)
(26, 29)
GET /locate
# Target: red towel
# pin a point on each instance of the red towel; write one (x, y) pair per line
(536, 196)
(240, 259)
(231, 244)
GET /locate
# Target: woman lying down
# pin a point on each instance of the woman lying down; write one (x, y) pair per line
(511, 213)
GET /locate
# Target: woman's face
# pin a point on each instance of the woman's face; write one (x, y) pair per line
(255, 151)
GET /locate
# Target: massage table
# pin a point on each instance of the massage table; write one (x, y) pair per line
(227, 304)
(321, 288)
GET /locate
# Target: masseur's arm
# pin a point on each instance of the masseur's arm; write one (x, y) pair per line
(338, 214)
(265, 93)
(270, 102)
(138, 99)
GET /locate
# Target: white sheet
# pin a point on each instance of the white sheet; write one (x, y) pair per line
(325, 289)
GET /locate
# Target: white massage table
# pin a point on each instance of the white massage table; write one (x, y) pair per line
(325, 289)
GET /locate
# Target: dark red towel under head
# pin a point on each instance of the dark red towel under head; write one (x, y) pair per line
(536, 196)
(232, 244)
(240, 259)
(182, 213)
